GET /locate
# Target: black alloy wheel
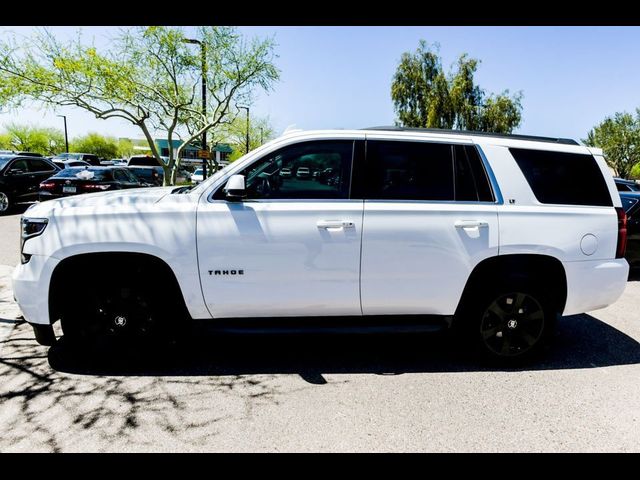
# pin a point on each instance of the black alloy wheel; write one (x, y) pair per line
(513, 325)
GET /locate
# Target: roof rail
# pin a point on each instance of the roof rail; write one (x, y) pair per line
(564, 141)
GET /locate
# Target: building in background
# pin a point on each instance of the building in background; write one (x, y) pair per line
(189, 154)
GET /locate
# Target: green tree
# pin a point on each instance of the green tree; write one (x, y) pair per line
(235, 134)
(30, 138)
(619, 139)
(147, 76)
(125, 148)
(424, 96)
(103, 147)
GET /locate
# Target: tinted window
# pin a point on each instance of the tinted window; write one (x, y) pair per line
(563, 178)
(471, 180)
(120, 176)
(628, 203)
(409, 171)
(39, 166)
(19, 165)
(622, 187)
(144, 161)
(307, 170)
(132, 178)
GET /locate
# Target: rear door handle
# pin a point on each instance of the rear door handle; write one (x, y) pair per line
(471, 224)
(334, 224)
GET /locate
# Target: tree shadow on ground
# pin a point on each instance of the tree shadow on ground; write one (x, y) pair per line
(581, 341)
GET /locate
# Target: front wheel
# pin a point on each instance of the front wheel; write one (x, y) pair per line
(113, 315)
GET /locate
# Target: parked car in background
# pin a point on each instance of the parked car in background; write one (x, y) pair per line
(285, 172)
(86, 157)
(303, 172)
(20, 177)
(631, 205)
(626, 185)
(73, 181)
(148, 175)
(62, 164)
(147, 169)
(197, 176)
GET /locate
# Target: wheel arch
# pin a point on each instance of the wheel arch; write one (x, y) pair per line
(66, 272)
(536, 268)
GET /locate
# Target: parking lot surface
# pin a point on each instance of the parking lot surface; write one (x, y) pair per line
(321, 393)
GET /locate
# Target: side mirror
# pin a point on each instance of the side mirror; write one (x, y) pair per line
(234, 189)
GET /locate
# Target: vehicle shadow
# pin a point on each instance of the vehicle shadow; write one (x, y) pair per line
(581, 341)
(634, 275)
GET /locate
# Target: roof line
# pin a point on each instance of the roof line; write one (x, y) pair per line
(564, 141)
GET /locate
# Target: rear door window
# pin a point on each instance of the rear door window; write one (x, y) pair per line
(398, 170)
(563, 178)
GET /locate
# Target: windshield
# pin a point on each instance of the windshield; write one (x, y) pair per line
(198, 171)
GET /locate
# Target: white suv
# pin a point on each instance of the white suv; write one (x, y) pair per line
(404, 229)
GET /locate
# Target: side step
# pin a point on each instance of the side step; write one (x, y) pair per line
(383, 324)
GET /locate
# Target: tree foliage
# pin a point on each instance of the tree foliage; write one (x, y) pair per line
(147, 76)
(425, 96)
(103, 147)
(235, 133)
(619, 138)
(30, 138)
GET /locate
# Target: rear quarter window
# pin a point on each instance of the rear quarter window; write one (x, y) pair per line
(563, 178)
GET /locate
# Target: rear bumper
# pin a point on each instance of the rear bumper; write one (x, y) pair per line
(31, 288)
(596, 284)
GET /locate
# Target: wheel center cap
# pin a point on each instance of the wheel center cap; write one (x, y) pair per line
(512, 324)
(120, 321)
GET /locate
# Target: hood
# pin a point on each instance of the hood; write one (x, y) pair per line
(120, 198)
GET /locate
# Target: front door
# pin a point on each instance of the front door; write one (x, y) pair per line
(292, 247)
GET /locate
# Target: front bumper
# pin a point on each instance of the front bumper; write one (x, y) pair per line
(595, 284)
(31, 288)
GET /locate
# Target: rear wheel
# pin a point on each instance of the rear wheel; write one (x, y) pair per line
(510, 324)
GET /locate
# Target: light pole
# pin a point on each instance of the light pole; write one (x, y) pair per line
(203, 50)
(66, 139)
(247, 109)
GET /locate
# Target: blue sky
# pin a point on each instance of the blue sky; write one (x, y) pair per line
(339, 77)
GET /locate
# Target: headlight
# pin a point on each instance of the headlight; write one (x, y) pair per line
(30, 227)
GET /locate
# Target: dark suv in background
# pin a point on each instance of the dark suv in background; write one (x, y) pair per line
(20, 178)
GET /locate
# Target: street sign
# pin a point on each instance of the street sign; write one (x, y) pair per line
(204, 154)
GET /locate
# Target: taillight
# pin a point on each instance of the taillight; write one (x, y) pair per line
(622, 232)
(46, 185)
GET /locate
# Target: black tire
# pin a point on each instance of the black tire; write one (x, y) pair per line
(117, 311)
(509, 324)
(5, 203)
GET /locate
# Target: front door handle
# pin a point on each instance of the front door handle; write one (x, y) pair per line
(471, 224)
(334, 224)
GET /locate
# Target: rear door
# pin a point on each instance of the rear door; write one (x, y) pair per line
(429, 217)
